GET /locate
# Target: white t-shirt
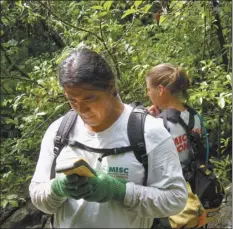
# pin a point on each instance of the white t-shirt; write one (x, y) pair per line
(179, 136)
(165, 195)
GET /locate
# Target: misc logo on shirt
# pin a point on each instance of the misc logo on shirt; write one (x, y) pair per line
(181, 142)
(117, 172)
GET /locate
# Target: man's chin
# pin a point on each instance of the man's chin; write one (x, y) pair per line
(90, 122)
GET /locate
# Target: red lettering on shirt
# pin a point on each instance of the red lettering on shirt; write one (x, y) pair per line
(179, 148)
(181, 141)
(176, 141)
(184, 138)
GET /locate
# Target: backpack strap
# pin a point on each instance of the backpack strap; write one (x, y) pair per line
(135, 131)
(104, 151)
(171, 115)
(190, 109)
(61, 138)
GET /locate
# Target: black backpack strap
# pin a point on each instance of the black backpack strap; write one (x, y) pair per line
(135, 125)
(190, 109)
(135, 131)
(61, 138)
(190, 125)
(171, 115)
(194, 138)
(104, 151)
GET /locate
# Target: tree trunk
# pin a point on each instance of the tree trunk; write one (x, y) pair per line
(221, 39)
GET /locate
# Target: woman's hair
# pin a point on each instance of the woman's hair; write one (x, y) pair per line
(171, 77)
(84, 66)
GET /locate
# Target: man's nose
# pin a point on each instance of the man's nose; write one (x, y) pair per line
(81, 108)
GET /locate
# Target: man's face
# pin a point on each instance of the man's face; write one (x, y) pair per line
(92, 105)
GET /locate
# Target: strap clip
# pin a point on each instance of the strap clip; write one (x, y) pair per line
(57, 140)
(144, 158)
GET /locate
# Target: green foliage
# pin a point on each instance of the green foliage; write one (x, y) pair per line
(223, 169)
(37, 35)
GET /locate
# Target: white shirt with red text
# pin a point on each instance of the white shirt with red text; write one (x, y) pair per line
(179, 136)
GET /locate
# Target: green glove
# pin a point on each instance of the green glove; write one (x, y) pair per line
(71, 186)
(106, 188)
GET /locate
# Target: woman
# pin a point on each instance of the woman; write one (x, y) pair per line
(104, 202)
(167, 88)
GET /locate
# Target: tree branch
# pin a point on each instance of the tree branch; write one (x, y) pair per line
(3, 87)
(14, 67)
(112, 56)
(203, 54)
(90, 32)
(56, 37)
(67, 23)
(221, 39)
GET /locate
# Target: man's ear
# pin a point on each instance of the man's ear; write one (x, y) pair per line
(113, 91)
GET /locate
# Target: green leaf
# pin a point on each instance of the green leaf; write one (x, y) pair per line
(137, 4)
(228, 77)
(41, 113)
(162, 19)
(221, 102)
(128, 12)
(107, 5)
(200, 100)
(12, 196)
(12, 42)
(146, 8)
(4, 203)
(203, 15)
(102, 14)
(97, 7)
(59, 106)
(14, 203)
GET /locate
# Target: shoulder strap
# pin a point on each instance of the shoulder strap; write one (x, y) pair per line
(173, 115)
(190, 109)
(104, 151)
(135, 131)
(169, 114)
(61, 138)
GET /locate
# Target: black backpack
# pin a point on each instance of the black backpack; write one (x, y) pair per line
(199, 172)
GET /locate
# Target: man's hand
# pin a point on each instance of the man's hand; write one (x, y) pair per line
(71, 186)
(106, 188)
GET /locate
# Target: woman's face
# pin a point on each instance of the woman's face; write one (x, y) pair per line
(93, 106)
(154, 93)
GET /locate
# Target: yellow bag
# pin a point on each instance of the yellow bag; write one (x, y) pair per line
(194, 215)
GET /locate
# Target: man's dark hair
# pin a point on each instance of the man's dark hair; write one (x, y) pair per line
(84, 66)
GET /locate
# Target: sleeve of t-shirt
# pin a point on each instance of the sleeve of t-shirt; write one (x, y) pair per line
(40, 187)
(166, 192)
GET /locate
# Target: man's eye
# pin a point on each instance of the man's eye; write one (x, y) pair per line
(91, 98)
(72, 101)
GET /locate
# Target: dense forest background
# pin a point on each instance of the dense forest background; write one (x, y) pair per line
(132, 36)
